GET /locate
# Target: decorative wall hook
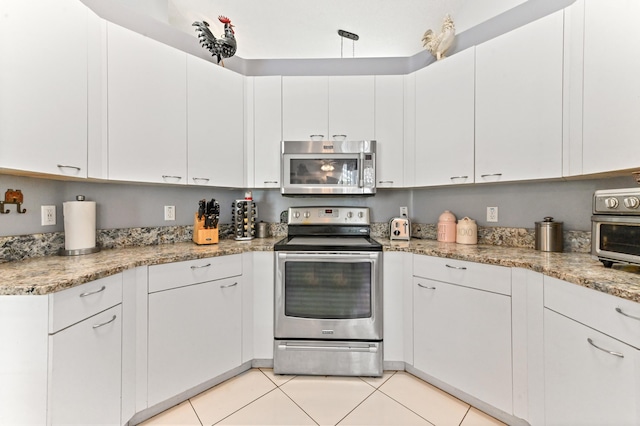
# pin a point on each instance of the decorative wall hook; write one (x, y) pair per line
(12, 197)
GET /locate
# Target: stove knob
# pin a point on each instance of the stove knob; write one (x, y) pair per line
(632, 202)
(307, 214)
(350, 215)
(611, 202)
(296, 215)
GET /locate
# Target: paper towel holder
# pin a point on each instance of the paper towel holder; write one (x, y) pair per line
(78, 252)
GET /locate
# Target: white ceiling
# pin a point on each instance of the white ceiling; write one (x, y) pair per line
(296, 29)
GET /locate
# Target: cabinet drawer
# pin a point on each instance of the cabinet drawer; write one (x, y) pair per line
(469, 274)
(73, 305)
(180, 274)
(594, 309)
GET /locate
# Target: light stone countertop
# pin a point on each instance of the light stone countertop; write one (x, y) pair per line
(44, 275)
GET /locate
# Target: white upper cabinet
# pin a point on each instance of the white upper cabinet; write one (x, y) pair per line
(351, 107)
(305, 107)
(389, 130)
(519, 81)
(444, 149)
(43, 86)
(147, 109)
(215, 125)
(611, 86)
(267, 130)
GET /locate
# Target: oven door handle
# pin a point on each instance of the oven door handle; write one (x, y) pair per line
(328, 348)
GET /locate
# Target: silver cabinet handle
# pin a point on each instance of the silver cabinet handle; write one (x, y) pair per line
(69, 167)
(459, 177)
(229, 285)
(426, 286)
(385, 181)
(201, 266)
(461, 268)
(89, 293)
(491, 174)
(270, 181)
(618, 354)
(316, 136)
(105, 323)
(196, 179)
(618, 310)
(171, 177)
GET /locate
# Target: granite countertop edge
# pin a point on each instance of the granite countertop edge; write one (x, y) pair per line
(50, 274)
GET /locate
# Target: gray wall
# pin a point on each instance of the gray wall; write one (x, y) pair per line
(136, 205)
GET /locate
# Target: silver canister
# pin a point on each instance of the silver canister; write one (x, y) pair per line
(549, 235)
(262, 230)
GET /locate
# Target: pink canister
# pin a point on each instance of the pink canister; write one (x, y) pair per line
(447, 227)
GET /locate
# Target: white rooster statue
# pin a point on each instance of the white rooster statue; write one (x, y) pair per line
(438, 44)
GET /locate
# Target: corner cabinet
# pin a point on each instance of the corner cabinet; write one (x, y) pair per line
(519, 82)
(195, 324)
(462, 327)
(44, 87)
(591, 357)
(215, 125)
(444, 148)
(147, 109)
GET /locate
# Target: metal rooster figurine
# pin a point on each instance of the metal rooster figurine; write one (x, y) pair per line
(223, 47)
(437, 45)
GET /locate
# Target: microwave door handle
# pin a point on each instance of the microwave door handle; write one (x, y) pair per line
(361, 171)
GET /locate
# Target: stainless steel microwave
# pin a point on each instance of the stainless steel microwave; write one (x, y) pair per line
(328, 168)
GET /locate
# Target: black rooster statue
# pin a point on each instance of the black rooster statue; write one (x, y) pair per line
(223, 47)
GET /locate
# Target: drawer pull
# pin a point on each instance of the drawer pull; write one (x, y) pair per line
(461, 268)
(89, 293)
(229, 285)
(618, 354)
(105, 323)
(618, 310)
(426, 286)
(202, 266)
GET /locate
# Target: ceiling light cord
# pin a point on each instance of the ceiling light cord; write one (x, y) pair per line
(353, 37)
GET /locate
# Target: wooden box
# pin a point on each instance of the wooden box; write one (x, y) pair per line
(202, 235)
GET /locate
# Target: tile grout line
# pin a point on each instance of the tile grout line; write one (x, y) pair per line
(465, 415)
(195, 412)
(389, 396)
(246, 405)
(292, 400)
(357, 405)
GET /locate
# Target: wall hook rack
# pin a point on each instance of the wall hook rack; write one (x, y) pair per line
(12, 197)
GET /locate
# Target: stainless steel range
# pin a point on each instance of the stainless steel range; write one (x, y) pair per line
(328, 294)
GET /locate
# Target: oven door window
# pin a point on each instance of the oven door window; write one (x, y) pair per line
(620, 238)
(328, 290)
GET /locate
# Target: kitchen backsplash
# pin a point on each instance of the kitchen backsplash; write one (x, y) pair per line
(13, 248)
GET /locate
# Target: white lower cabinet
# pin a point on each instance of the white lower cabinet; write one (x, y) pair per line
(85, 371)
(462, 334)
(592, 373)
(195, 334)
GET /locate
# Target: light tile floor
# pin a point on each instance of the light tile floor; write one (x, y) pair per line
(259, 397)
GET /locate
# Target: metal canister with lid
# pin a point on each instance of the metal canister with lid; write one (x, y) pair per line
(549, 235)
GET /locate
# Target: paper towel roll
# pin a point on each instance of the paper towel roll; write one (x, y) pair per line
(79, 224)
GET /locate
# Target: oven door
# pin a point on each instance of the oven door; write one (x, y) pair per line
(328, 296)
(616, 238)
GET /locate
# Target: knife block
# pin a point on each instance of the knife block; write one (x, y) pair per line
(202, 235)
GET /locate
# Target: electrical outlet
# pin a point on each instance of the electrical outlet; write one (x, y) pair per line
(492, 214)
(169, 212)
(404, 212)
(48, 215)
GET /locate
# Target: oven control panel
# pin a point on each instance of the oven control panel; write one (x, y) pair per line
(617, 201)
(328, 215)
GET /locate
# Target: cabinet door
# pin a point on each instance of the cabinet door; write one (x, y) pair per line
(85, 371)
(462, 336)
(445, 121)
(351, 107)
(611, 86)
(194, 335)
(147, 109)
(519, 103)
(267, 125)
(585, 385)
(305, 107)
(43, 86)
(215, 125)
(389, 130)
